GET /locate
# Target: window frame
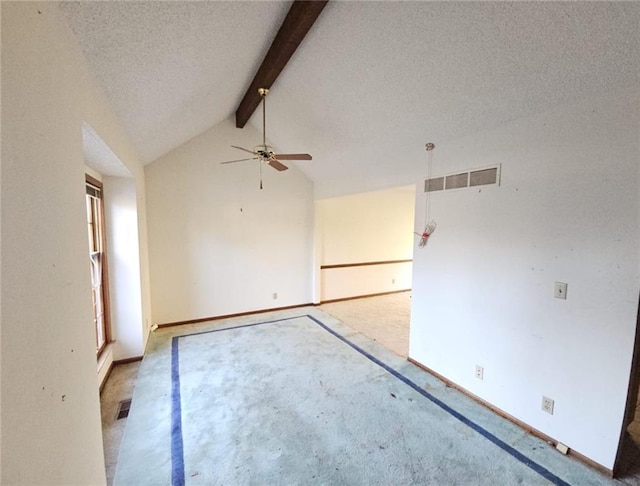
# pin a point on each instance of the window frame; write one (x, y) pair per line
(106, 307)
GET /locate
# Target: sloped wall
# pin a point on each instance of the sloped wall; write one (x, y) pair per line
(219, 244)
(567, 210)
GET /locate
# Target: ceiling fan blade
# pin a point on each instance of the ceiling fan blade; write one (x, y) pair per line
(277, 165)
(239, 160)
(241, 148)
(293, 156)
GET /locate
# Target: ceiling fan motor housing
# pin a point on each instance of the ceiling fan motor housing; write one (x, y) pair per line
(264, 152)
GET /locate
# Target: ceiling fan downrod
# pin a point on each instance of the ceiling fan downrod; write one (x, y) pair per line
(263, 92)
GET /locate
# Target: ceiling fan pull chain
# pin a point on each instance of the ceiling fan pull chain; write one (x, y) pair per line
(260, 162)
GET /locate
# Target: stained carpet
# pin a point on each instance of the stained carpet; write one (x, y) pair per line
(306, 400)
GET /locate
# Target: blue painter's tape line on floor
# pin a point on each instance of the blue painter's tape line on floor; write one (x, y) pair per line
(484, 432)
(177, 451)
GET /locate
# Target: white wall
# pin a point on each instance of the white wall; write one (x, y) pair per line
(121, 221)
(143, 241)
(368, 227)
(51, 431)
(568, 210)
(219, 244)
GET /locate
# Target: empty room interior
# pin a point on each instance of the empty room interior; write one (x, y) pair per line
(220, 191)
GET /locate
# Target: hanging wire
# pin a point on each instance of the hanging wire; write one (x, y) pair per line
(427, 210)
(429, 224)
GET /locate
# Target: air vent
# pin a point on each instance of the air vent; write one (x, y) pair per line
(436, 184)
(457, 181)
(483, 177)
(477, 177)
(123, 409)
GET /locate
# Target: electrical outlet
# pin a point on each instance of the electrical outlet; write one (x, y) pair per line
(547, 405)
(275, 296)
(560, 290)
(479, 372)
(393, 281)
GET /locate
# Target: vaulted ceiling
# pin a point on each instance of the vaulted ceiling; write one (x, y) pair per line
(371, 83)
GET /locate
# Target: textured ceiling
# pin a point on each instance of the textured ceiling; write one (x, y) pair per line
(372, 81)
(171, 70)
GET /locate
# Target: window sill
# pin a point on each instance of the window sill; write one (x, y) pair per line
(105, 362)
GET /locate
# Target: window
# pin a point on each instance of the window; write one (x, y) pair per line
(98, 262)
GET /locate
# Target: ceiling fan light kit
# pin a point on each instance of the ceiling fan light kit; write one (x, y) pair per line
(264, 153)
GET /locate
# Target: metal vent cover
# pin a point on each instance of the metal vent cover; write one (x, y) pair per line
(483, 177)
(457, 181)
(436, 184)
(123, 409)
(477, 177)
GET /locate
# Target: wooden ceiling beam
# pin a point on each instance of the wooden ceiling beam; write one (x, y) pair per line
(297, 23)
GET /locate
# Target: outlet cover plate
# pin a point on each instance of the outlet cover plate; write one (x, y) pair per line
(479, 372)
(547, 405)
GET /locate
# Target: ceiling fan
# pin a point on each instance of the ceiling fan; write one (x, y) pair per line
(264, 153)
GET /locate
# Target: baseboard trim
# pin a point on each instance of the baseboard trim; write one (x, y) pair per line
(362, 296)
(274, 309)
(114, 363)
(229, 316)
(128, 360)
(533, 431)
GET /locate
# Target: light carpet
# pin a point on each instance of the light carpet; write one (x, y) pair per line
(305, 400)
(384, 318)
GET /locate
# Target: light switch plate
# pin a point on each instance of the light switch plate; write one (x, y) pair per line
(560, 290)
